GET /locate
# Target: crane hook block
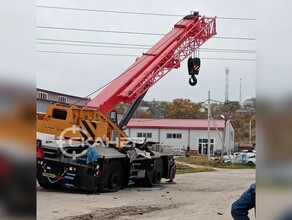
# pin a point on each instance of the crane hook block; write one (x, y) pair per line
(193, 69)
(194, 66)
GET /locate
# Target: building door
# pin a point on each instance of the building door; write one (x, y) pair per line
(203, 146)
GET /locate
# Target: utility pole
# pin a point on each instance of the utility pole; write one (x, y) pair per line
(223, 138)
(209, 118)
(240, 94)
(249, 127)
(226, 83)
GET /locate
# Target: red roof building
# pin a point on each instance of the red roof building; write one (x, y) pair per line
(181, 133)
(184, 124)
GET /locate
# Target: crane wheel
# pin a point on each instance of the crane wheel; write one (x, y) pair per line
(158, 171)
(113, 177)
(45, 185)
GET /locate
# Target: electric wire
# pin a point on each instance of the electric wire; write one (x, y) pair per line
(132, 55)
(130, 32)
(213, 50)
(134, 13)
(84, 45)
(146, 46)
(92, 42)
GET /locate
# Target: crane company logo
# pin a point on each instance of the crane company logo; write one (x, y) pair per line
(77, 146)
(63, 142)
(49, 127)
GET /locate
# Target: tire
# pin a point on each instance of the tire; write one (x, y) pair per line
(45, 185)
(113, 177)
(250, 163)
(158, 171)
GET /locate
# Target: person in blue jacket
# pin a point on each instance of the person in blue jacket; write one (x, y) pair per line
(92, 155)
(246, 202)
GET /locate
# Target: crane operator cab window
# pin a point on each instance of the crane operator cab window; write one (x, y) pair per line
(59, 114)
(113, 115)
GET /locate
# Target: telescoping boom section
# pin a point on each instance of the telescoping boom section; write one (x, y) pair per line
(167, 54)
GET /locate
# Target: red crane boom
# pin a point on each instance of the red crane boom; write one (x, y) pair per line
(186, 37)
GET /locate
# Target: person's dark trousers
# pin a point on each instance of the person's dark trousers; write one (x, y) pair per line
(246, 201)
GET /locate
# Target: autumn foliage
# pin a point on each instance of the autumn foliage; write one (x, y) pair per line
(182, 109)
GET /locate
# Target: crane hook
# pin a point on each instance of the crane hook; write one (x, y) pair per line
(193, 80)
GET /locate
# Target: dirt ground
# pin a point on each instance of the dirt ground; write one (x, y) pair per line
(202, 196)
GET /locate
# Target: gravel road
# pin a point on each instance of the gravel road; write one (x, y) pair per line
(202, 196)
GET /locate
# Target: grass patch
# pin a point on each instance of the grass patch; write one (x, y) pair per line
(203, 161)
(182, 169)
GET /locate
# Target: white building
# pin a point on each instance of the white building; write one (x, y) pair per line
(183, 132)
(46, 97)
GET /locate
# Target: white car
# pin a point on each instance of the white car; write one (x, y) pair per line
(243, 157)
(251, 160)
(178, 152)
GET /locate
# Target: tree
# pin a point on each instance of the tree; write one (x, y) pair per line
(250, 103)
(231, 106)
(156, 108)
(182, 109)
(121, 108)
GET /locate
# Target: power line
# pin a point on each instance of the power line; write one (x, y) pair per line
(222, 51)
(214, 50)
(95, 91)
(96, 30)
(100, 54)
(131, 55)
(129, 32)
(211, 50)
(240, 50)
(135, 13)
(239, 59)
(124, 44)
(84, 45)
(93, 42)
(235, 38)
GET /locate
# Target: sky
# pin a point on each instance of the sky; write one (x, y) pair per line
(80, 74)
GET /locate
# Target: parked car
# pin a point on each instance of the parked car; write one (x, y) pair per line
(251, 161)
(248, 158)
(228, 159)
(179, 152)
(217, 152)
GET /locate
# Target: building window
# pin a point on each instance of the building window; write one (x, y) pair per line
(42, 95)
(145, 135)
(203, 146)
(231, 135)
(174, 135)
(62, 99)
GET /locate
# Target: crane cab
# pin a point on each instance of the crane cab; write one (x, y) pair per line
(77, 123)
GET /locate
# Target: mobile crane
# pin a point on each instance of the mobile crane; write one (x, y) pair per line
(93, 152)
